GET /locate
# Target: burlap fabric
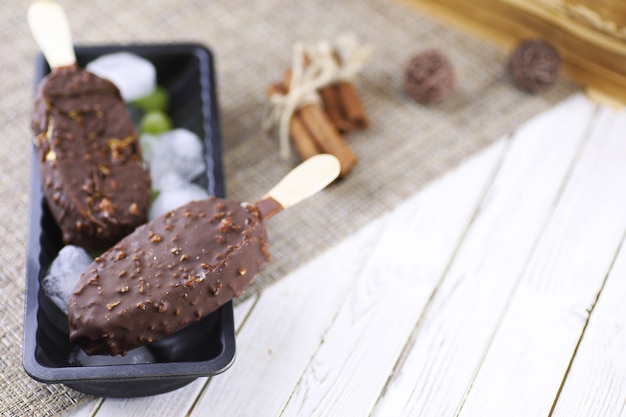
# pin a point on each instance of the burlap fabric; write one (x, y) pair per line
(406, 146)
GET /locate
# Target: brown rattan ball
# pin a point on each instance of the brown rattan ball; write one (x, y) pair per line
(534, 65)
(429, 77)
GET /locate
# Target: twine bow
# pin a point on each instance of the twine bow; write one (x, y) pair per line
(313, 67)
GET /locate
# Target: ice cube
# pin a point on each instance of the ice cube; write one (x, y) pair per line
(64, 273)
(133, 75)
(171, 198)
(148, 144)
(134, 356)
(178, 151)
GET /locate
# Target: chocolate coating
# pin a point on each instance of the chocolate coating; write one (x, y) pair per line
(429, 77)
(168, 273)
(534, 65)
(93, 178)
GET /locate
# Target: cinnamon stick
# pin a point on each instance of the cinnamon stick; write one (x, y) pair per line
(302, 139)
(333, 105)
(352, 106)
(326, 137)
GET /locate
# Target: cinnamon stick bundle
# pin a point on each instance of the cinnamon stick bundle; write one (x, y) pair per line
(312, 132)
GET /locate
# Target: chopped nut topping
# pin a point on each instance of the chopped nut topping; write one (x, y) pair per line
(124, 289)
(117, 144)
(134, 209)
(106, 206)
(50, 131)
(154, 238)
(226, 224)
(111, 306)
(241, 271)
(104, 170)
(215, 290)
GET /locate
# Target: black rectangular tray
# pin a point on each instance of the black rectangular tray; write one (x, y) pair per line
(204, 348)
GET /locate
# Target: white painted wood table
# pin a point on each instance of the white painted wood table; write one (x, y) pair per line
(496, 291)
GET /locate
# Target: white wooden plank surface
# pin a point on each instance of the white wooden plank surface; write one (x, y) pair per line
(452, 338)
(537, 337)
(350, 367)
(596, 383)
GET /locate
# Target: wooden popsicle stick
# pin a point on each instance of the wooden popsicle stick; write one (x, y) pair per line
(308, 178)
(51, 29)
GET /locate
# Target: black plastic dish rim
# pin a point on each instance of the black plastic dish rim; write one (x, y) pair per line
(179, 372)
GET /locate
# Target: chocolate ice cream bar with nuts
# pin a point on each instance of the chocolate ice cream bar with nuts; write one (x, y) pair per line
(168, 273)
(94, 181)
(182, 265)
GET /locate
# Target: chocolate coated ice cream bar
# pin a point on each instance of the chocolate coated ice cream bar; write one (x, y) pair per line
(168, 273)
(93, 178)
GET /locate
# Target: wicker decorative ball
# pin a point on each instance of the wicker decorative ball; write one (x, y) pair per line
(429, 77)
(534, 65)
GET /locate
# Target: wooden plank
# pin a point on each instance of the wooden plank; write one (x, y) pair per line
(538, 335)
(87, 409)
(354, 358)
(452, 338)
(596, 383)
(532, 350)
